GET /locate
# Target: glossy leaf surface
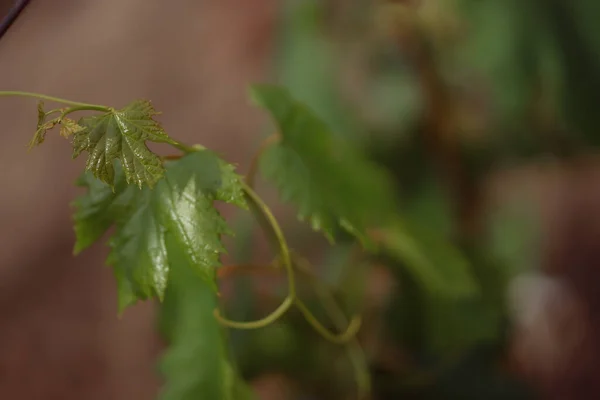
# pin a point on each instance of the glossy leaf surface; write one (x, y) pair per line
(122, 135)
(180, 204)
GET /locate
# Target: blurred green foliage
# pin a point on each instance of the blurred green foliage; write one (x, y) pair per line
(518, 82)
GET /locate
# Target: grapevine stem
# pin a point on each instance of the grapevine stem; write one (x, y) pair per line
(356, 354)
(341, 338)
(260, 323)
(85, 106)
(285, 259)
(81, 108)
(325, 293)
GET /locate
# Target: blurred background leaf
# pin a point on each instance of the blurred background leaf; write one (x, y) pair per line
(446, 96)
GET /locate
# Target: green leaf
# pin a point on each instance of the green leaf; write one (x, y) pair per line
(139, 251)
(210, 174)
(181, 204)
(122, 134)
(333, 184)
(196, 365)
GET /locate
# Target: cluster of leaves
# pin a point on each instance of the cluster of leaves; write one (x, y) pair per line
(180, 206)
(147, 201)
(448, 301)
(167, 233)
(112, 135)
(540, 53)
(335, 185)
(527, 80)
(68, 126)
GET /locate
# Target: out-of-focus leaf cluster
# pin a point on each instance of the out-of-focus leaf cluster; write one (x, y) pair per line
(520, 82)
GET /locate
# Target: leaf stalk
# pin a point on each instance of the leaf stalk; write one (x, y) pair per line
(86, 106)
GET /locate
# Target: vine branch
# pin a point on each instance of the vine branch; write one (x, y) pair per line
(82, 106)
(284, 253)
(355, 352)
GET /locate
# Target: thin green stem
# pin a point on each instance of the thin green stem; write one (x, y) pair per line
(328, 299)
(326, 294)
(81, 108)
(275, 229)
(260, 323)
(358, 359)
(55, 99)
(284, 251)
(356, 354)
(344, 337)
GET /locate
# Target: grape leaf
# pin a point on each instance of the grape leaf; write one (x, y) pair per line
(196, 364)
(333, 184)
(122, 134)
(139, 253)
(181, 203)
